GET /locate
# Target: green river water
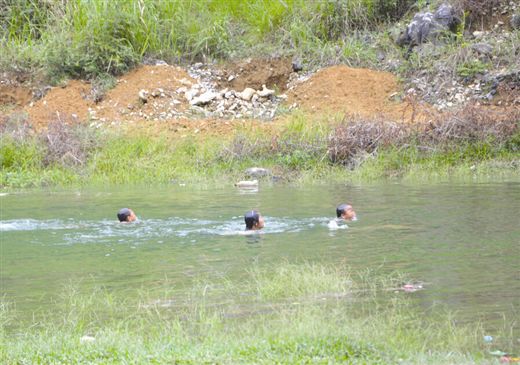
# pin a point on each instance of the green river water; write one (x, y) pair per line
(461, 240)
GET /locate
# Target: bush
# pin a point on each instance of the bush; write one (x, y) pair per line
(350, 139)
(471, 125)
(68, 145)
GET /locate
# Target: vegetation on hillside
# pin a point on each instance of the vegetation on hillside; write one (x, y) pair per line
(87, 39)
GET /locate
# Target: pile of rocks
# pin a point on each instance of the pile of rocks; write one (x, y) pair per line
(445, 94)
(445, 89)
(206, 98)
(200, 96)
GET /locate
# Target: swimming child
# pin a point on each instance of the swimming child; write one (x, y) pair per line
(126, 215)
(346, 212)
(254, 221)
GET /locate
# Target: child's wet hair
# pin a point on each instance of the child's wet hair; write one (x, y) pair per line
(251, 217)
(123, 214)
(340, 209)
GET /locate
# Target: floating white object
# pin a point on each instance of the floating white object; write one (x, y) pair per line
(247, 184)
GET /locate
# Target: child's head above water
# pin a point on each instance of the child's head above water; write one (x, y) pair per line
(126, 215)
(346, 212)
(254, 220)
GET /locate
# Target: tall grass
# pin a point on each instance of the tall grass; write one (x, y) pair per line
(80, 38)
(306, 313)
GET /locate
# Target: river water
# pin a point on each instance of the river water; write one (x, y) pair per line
(462, 241)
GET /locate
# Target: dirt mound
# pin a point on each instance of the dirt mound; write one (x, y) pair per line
(69, 101)
(160, 84)
(14, 95)
(273, 73)
(341, 89)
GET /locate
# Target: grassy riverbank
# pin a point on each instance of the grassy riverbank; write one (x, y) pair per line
(301, 150)
(284, 314)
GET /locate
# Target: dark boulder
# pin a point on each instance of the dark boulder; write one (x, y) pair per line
(427, 26)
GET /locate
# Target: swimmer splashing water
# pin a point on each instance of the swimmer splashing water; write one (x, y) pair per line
(254, 221)
(126, 215)
(344, 213)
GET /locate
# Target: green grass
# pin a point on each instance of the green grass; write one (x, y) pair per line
(297, 153)
(286, 314)
(91, 38)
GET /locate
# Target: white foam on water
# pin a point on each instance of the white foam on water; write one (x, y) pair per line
(145, 230)
(34, 224)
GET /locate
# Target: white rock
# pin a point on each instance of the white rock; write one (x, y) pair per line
(257, 172)
(185, 82)
(223, 92)
(190, 94)
(247, 94)
(204, 98)
(143, 95)
(265, 92)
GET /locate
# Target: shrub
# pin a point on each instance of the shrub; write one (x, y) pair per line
(350, 139)
(68, 144)
(471, 124)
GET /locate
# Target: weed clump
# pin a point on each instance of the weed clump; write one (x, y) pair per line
(68, 144)
(471, 125)
(349, 140)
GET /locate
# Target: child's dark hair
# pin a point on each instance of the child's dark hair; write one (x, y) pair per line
(340, 209)
(123, 214)
(251, 218)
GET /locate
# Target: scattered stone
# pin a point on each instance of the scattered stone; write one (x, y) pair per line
(143, 95)
(247, 94)
(265, 92)
(482, 48)
(515, 21)
(185, 82)
(204, 98)
(478, 34)
(297, 65)
(191, 93)
(256, 172)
